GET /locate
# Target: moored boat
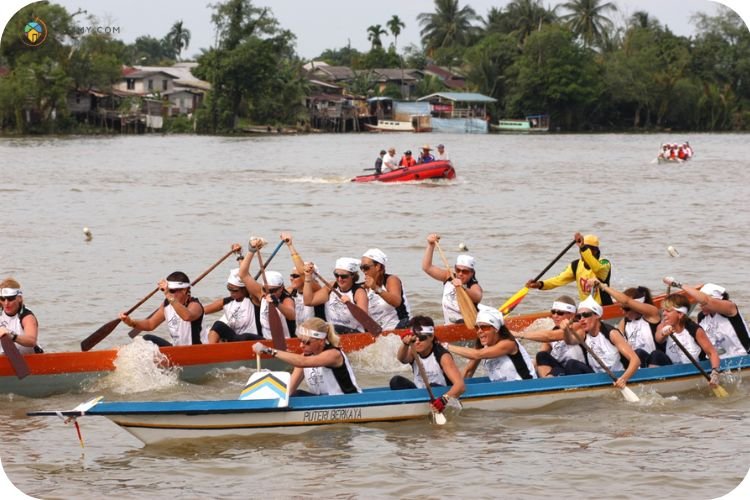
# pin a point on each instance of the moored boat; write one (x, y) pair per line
(532, 123)
(431, 170)
(54, 373)
(154, 421)
(416, 123)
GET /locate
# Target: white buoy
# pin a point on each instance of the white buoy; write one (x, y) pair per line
(672, 251)
(87, 233)
(462, 247)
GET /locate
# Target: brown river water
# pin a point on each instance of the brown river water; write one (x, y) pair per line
(158, 204)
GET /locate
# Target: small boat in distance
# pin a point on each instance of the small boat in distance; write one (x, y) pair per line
(417, 123)
(423, 171)
(532, 123)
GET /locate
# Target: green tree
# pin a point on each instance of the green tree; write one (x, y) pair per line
(374, 33)
(395, 25)
(449, 25)
(345, 56)
(520, 18)
(177, 39)
(487, 62)
(555, 75)
(588, 20)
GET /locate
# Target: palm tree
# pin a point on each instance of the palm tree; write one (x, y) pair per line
(394, 25)
(448, 25)
(178, 38)
(642, 19)
(587, 19)
(528, 16)
(374, 33)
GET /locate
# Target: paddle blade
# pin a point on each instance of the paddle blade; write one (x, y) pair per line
(438, 418)
(720, 392)
(369, 324)
(99, 335)
(467, 307)
(512, 302)
(277, 329)
(629, 395)
(16, 359)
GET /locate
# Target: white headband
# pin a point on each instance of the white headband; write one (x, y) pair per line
(175, 285)
(563, 306)
(10, 292)
(642, 300)
(310, 333)
(681, 309)
(424, 330)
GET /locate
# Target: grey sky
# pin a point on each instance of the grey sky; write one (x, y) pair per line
(323, 24)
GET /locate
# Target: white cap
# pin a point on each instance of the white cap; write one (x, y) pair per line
(234, 278)
(347, 264)
(274, 278)
(713, 290)
(376, 255)
(465, 261)
(592, 305)
(490, 316)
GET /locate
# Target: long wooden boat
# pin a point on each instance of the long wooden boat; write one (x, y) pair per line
(532, 123)
(54, 373)
(416, 123)
(154, 421)
(431, 170)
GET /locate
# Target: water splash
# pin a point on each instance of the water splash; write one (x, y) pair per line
(316, 180)
(379, 357)
(139, 367)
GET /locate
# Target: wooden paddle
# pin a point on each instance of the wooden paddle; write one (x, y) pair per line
(274, 320)
(369, 324)
(437, 416)
(465, 304)
(719, 391)
(627, 393)
(106, 329)
(135, 331)
(14, 356)
(517, 297)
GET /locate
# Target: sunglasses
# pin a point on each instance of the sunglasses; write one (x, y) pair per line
(294, 276)
(274, 289)
(174, 290)
(422, 337)
(366, 267)
(307, 341)
(555, 312)
(586, 314)
(233, 290)
(462, 271)
(4, 299)
(342, 276)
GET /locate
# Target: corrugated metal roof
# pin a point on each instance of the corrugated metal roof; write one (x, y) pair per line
(459, 97)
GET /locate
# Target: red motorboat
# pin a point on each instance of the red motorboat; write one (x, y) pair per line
(431, 170)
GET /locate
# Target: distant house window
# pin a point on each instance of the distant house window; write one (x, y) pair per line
(131, 83)
(164, 85)
(151, 85)
(181, 103)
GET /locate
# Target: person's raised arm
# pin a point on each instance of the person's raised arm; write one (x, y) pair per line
(252, 286)
(723, 307)
(649, 311)
(439, 273)
(310, 295)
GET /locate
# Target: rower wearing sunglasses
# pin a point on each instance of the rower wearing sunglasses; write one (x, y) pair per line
(322, 365)
(438, 363)
(272, 291)
(502, 356)
(345, 272)
(16, 320)
(465, 277)
(555, 357)
(639, 323)
(605, 341)
(240, 320)
(182, 312)
(385, 292)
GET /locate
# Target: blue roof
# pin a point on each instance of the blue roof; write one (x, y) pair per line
(459, 96)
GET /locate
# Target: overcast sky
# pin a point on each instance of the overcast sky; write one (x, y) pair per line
(324, 24)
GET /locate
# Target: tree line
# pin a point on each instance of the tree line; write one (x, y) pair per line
(573, 62)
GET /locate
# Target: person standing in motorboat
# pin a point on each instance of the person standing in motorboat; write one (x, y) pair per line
(389, 160)
(379, 162)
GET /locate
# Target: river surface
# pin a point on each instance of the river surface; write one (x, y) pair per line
(158, 204)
